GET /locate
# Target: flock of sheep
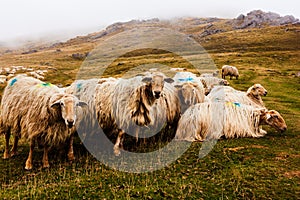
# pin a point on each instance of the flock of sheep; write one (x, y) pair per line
(195, 107)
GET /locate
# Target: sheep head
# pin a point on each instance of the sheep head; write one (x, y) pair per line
(188, 93)
(274, 119)
(257, 90)
(67, 104)
(156, 84)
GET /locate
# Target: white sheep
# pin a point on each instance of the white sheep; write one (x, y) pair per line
(230, 71)
(37, 111)
(210, 82)
(132, 106)
(230, 119)
(251, 97)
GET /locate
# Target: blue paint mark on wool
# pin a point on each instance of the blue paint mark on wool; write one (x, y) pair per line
(186, 79)
(44, 85)
(13, 82)
(78, 86)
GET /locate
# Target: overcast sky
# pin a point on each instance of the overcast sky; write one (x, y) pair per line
(24, 18)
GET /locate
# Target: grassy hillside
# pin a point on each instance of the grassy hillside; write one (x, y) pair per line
(247, 168)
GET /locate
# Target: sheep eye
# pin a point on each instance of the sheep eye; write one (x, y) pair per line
(275, 116)
(62, 104)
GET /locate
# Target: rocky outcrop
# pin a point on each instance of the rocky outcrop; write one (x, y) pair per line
(258, 18)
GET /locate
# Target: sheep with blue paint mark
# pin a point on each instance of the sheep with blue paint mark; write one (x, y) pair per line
(229, 119)
(39, 112)
(189, 89)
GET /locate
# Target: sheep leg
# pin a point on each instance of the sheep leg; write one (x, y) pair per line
(28, 164)
(15, 146)
(6, 151)
(71, 156)
(45, 157)
(117, 144)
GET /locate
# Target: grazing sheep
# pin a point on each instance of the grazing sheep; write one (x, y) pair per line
(230, 71)
(210, 82)
(229, 119)
(39, 112)
(251, 97)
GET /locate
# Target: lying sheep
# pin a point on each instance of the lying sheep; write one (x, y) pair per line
(251, 97)
(39, 112)
(229, 119)
(230, 71)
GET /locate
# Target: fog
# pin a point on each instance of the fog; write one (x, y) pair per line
(34, 19)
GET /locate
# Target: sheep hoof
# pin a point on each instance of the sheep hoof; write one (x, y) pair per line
(71, 157)
(46, 165)
(117, 151)
(28, 165)
(6, 155)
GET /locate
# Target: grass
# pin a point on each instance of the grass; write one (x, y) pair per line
(246, 168)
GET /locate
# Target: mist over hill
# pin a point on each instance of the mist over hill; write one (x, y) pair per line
(198, 28)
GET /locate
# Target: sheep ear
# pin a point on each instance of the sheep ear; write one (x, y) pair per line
(178, 86)
(146, 79)
(57, 103)
(82, 104)
(55, 100)
(102, 81)
(169, 80)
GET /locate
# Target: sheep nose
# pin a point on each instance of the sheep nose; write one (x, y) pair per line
(157, 94)
(283, 129)
(70, 123)
(265, 94)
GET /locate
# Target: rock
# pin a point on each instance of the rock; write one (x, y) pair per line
(78, 56)
(258, 18)
(30, 51)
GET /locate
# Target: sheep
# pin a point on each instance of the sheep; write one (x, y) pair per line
(36, 75)
(134, 105)
(189, 89)
(89, 92)
(230, 71)
(214, 74)
(251, 97)
(182, 77)
(189, 94)
(39, 112)
(229, 119)
(141, 102)
(210, 82)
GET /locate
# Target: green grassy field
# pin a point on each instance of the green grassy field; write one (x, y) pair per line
(246, 168)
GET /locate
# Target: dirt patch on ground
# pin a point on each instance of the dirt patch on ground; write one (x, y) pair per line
(292, 174)
(235, 149)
